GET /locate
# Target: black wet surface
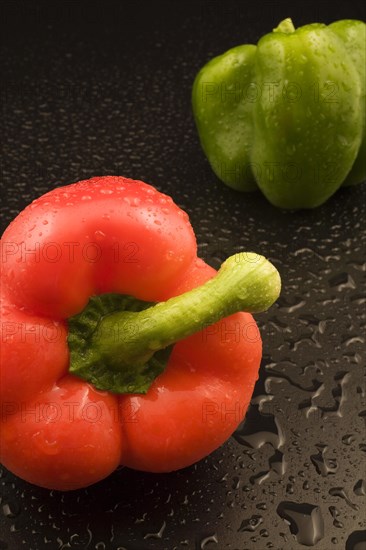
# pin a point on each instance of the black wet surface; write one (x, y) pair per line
(106, 90)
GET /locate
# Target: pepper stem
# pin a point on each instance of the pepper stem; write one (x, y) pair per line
(126, 341)
(286, 26)
(244, 282)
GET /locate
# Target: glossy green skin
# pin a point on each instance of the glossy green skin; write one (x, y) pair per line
(287, 114)
(353, 35)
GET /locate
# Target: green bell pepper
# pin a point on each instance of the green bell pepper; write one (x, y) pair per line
(287, 115)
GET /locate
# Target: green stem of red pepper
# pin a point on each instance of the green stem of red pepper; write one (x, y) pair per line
(121, 353)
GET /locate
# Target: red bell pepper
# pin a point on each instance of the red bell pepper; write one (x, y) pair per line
(99, 280)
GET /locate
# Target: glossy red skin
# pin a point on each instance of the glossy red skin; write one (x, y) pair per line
(47, 435)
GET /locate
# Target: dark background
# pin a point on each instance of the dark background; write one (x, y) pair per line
(105, 89)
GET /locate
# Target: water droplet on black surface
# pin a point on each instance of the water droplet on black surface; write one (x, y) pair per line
(324, 466)
(207, 540)
(340, 492)
(258, 429)
(11, 510)
(342, 281)
(288, 307)
(348, 439)
(356, 541)
(335, 514)
(305, 520)
(251, 524)
(157, 535)
(278, 462)
(360, 488)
